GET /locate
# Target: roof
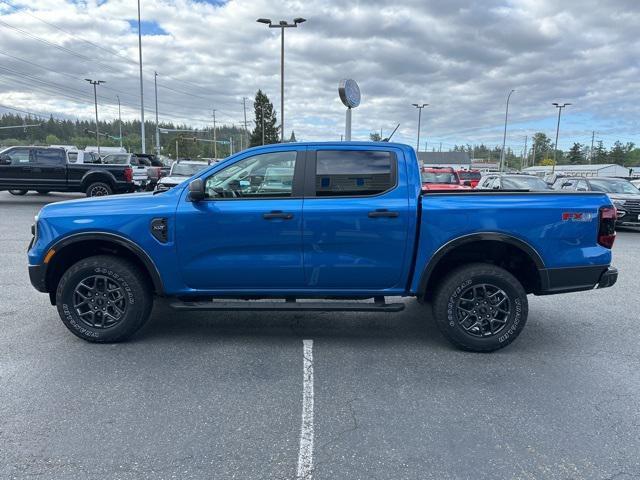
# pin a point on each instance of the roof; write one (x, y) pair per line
(444, 158)
(568, 168)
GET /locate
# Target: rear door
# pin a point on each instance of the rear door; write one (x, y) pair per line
(16, 172)
(50, 168)
(356, 219)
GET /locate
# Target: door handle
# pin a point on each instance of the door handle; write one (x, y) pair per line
(383, 212)
(277, 214)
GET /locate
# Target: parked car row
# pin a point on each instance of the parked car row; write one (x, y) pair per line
(47, 169)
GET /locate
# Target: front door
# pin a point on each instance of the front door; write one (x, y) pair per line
(16, 169)
(356, 220)
(247, 233)
(50, 168)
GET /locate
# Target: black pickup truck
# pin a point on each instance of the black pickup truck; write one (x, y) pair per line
(46, 169)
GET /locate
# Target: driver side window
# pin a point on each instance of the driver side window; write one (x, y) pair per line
(266, 175)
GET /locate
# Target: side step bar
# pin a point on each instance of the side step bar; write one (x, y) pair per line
(287, 306)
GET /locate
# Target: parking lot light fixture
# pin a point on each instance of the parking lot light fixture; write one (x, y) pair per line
(555, 150)
(419, 107)
(282, 24)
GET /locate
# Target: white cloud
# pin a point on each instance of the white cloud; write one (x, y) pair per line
(462, 57)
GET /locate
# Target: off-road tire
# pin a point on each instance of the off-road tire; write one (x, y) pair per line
(111, 271)
(98, 189)
(18, 192)
(457, 286)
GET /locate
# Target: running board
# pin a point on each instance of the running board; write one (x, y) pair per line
(286, 306)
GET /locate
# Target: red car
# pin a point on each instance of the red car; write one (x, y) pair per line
(470, 177)
(434, 178)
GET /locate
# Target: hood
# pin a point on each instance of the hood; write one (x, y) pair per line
(110, 205)
(623, 196)
(173, 180)
(444, 186)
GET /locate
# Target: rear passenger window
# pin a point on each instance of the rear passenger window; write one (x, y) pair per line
(342, 173)
(50, 156)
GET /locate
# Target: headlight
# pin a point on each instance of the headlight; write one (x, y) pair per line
(619, 203)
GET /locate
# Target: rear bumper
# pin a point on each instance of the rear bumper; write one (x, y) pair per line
(576, 279)
(38, 275)
(608, 278)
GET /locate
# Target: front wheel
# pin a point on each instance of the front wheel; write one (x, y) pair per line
(98, 189)
(480, 307)
(104, 299)
(18, 192)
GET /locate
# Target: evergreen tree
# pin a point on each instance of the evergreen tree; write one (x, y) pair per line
(262, 106)
(375, 137)
(292, 138)
(600, 153)
(541, 147)
(576, 154)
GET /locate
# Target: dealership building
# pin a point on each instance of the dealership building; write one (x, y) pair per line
(601, 170)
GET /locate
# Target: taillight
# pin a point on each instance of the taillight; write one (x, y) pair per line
(607, 228)
(128, 174)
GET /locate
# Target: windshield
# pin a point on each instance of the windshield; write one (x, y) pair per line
(614, 186)
(186, 169)
(437, 177)
(524, 183)
(464, 175)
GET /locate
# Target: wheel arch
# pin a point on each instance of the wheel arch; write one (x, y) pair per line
(507, 251)
(93, 176)
(75, 247)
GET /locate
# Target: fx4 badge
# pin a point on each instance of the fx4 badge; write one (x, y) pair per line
(576, 217)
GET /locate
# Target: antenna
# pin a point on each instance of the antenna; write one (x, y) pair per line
(389, 137)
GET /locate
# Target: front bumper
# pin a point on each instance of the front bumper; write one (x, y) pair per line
(38, 277)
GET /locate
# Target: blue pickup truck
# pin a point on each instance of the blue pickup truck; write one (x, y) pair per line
(319, 227)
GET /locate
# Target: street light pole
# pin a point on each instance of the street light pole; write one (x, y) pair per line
(555, 150)
(262, 115)
(215, 143)
(504, 136)
(282, 24)
(95, 83)
(419, 107)
(155, 84)
(141, 87)
(119, 120)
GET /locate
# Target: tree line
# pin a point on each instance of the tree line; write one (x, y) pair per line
(81, 133)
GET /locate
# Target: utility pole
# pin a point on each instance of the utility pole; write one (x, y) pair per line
(142, 139)
(555, 150)
(533, 157)
(119, 120)
(177, 156)
(155, 84)
(504, 136)
(95, 83)
(282, 24)
(244, 107)
(524, 152)
(215, 143)
(262, 119)
(440, 149)
(419, 106)
(593, 135)
(231, 145)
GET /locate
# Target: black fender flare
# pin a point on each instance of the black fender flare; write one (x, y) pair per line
(121, 241)
(97, 176)
(478, 237)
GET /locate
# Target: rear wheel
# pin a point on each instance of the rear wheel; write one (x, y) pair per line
(98, 189)
(480, 307)
(18, 192)
(104, 299)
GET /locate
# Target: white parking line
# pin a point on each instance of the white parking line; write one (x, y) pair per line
(305, 455)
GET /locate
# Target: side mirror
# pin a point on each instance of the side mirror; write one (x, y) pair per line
(196, 190)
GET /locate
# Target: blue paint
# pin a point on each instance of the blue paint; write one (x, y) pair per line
(330, 246)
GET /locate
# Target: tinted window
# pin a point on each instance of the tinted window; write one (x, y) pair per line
(439, 177)
(117, 159)
(18, 156)
(466, 175)
(344, 173)
(266, 175)
(524, 183)
(613, 186)
(50, 156)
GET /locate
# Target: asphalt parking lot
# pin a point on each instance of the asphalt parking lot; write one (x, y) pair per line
(221, 395)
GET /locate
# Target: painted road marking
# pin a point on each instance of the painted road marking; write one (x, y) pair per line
(305, 455)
